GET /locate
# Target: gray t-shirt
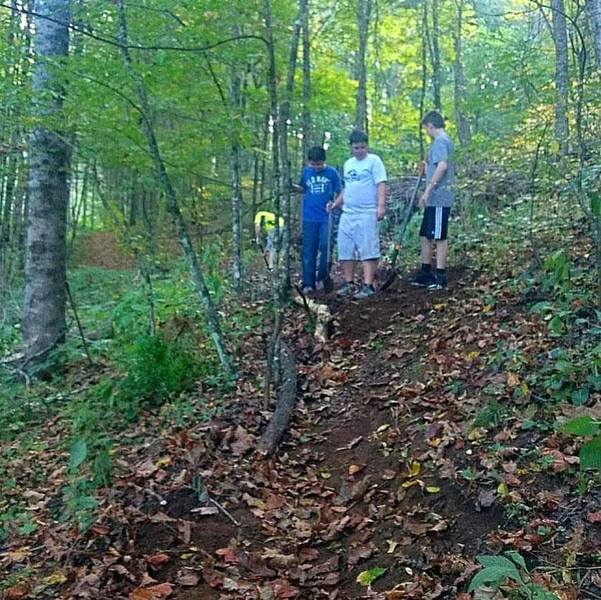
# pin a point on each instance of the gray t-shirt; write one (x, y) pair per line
(361, 178)
(442, 149)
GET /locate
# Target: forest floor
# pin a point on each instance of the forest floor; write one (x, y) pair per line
(423, 437)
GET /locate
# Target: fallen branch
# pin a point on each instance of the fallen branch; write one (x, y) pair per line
(285, 402)
(318, 312)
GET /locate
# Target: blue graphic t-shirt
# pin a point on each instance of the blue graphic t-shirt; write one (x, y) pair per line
(319, 188)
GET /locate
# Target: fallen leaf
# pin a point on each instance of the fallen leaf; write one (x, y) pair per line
(243, 441)
(486, 498)
(354, 469)
(187, 579)
(366, 578)
(16, 592)
(512, 380)
(155, 592)
(351, 444)
(414, 468)
(411, 483)
(156, 560)
(594, 517)
(227, 554)
(56, 578)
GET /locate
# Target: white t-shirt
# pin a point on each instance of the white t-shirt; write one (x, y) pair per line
(361, 178)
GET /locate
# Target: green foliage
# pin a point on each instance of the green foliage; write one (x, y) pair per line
(590, 455)
(590, 452)
(497, 570)
(491, 415)
(581, 426)
(366, 578)
(595, 198)
(156, 371)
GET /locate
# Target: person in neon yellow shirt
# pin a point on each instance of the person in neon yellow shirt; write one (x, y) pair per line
(268, 227)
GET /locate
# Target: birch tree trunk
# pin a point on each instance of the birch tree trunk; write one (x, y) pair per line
(236, 179)
(593, 8)
(307, 93)
(363, 16)
(44, 323)
(284, 155)
(560, 39)
(170, 195)
(273, 351)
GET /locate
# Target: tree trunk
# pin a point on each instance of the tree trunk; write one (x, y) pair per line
(273, 351)
(283, 141)
(593, 8)
(236, 104)
(560, 39)
(363, 16)
(436, 76)
(307, 121)
(463, 126)
(424, 75)
(44, 323)
(286, 401)
(172, 203)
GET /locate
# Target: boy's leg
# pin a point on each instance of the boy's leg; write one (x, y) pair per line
(310, 243)
(442, 248)
(346, 252)
(426, 251)
(369, 271)
(368, 242)
(442, 251)
(348, 268)
(270, 249)
(322, 273)
(425, 276)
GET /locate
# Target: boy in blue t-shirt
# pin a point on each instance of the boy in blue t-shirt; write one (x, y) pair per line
(319, 184)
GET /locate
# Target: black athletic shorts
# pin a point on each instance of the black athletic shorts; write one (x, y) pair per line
(435, 223)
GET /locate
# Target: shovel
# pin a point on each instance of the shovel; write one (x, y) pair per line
(397, 247)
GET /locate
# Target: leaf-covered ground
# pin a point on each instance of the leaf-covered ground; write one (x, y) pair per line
(424, 436)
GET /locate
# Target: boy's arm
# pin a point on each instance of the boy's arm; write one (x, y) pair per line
(438, 174)
(381, 199)
(297, 189)
(338, 202)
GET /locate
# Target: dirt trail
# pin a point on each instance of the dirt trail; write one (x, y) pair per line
(381, 468)
(353, 486)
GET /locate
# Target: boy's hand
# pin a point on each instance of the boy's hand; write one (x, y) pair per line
(423, 201)
(330, 207)
(380, 212)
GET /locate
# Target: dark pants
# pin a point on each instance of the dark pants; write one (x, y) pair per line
(315, 239)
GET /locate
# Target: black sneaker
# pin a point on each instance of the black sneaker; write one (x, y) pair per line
(439, 283)
(423, 279)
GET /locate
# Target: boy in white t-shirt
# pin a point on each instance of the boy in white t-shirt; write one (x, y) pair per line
(363, 202)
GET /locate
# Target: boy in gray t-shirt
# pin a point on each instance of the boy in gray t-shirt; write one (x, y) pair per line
(436, 201)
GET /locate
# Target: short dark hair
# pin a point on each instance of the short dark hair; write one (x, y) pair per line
(358, 137)
(435, 119)
(317, 154)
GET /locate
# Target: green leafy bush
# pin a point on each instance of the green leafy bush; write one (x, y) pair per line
(156, 370)
(590, 452)
(498, 570)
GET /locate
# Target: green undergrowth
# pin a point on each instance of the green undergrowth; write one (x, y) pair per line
(173, 375)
